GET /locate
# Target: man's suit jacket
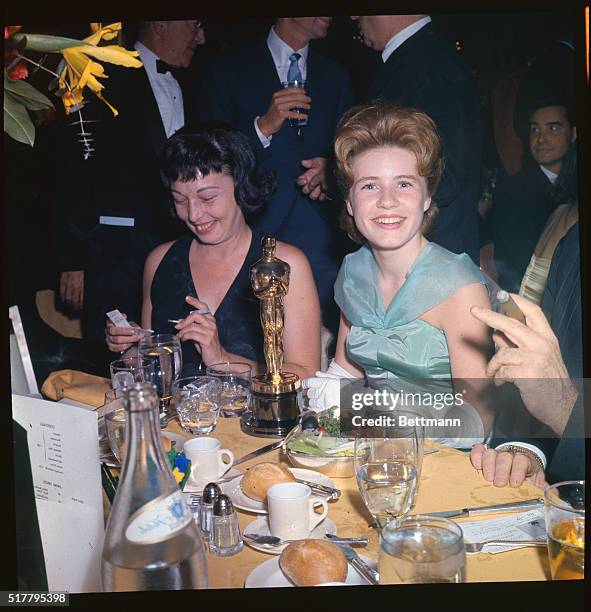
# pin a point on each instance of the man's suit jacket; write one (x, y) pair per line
(121, 179)
(521, 206)
(425, 73)
(237, 86)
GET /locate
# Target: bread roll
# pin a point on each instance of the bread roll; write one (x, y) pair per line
(312, 562)
(261, 477)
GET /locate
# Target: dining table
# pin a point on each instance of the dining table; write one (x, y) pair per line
(448, 481)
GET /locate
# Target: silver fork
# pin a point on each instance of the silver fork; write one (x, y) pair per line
(476, 547)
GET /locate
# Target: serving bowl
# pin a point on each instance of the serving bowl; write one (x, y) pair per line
(337, 466)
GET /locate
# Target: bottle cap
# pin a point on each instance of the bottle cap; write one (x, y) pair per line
(222, 506)
(211, 492)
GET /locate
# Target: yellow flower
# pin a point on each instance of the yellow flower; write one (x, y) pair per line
(80, 71)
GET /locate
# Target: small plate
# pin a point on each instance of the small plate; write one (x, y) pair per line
(193, 486)
(243, 502)
(269, 574)
(260, 526)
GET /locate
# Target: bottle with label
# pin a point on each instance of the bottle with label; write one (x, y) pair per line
(151, 540)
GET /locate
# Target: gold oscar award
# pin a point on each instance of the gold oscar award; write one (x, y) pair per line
(275, 410)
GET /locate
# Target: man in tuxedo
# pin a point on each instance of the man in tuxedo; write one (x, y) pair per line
(243, 86)
(523, 202)
(545, 362)
(113, 208)
(421, 70)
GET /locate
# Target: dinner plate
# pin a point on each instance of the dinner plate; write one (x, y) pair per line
(193, 486)
(243, 502)
(269, 574)
(260, 526)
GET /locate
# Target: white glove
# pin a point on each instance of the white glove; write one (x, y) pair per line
(324, 390)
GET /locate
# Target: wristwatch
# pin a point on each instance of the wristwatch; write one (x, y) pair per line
(514, 449)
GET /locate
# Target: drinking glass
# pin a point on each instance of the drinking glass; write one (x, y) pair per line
(387, 471)
(197, 402)
(235, 378)
(116, 424)
(129, 370)
(297, 123)
(165, 351)
(421, 549)
(564, 506)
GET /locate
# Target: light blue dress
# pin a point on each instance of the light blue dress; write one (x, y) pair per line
(393, 344)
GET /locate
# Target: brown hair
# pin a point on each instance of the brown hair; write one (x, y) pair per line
(381, 124)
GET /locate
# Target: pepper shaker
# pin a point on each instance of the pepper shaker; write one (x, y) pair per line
(225, 538)
(210, 494)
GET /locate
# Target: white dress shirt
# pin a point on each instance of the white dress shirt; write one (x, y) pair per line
(167, 92)
(402, 36)
(552, 176)
(281, 52)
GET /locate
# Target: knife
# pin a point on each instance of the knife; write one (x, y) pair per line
(334, 493)
(359, 564)
(511, 507)
(256, 453)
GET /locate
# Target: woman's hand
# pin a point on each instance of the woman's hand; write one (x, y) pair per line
(201, 328)
(119, 339)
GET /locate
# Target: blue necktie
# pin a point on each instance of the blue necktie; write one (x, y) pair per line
(294, 74)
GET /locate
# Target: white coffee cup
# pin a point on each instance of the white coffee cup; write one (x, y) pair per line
(291, 510)
(206, 457)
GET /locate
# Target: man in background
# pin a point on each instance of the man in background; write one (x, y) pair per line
(244, 86)
(421, 70)
(113, 209)
(523, 202)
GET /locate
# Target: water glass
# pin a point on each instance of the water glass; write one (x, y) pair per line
(387, 470)
(564, 506)
(297, 122)
(421, 549)
(197, 402)
(116, 424)
(165, 351)
(235, 378)
(129, 370)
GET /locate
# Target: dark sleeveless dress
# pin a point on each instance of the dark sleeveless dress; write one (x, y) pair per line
(237, 317)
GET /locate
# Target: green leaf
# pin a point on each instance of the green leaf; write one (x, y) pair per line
(17, 123)
(47, 43)
(28, 95)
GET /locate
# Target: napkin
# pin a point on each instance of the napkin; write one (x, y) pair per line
(78, 386)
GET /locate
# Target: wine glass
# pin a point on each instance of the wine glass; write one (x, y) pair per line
(387, 468)
(129, 370)
(165, 350)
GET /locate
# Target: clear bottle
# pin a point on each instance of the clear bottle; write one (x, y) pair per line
(151, 540)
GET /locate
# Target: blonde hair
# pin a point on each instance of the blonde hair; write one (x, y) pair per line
(381, 124)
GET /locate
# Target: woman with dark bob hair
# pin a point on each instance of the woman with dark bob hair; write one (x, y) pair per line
(405, 302)
(214, 185)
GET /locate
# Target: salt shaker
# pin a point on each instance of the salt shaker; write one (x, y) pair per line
(225, 538)
(210, 494)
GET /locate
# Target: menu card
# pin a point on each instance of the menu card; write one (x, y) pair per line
(63, 449)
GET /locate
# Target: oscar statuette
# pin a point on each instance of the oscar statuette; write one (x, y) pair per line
(275, 408)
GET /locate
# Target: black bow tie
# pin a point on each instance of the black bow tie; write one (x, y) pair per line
(162, 67)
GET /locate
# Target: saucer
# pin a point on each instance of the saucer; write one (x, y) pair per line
(243, 502)
(196, 486)
(260, 526)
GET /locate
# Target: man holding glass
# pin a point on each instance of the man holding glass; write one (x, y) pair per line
(287, 98)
